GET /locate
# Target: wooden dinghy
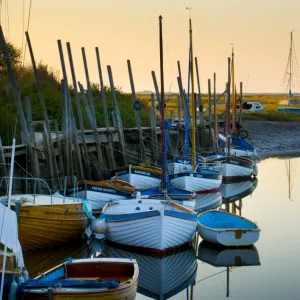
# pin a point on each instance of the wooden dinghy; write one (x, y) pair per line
(227, 229)
(143, 176)
(46, 220)
(152, 224)
(98, 193)
(100, 278)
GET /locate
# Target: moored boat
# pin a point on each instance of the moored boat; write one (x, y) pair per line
(98, 193)
(155, 224)
(46, 220)
(227, 229)
(142, 176)
(100, 278)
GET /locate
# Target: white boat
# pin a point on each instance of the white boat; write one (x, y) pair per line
(149, 223)
(219, 256)
(143, 176)
(237, 190)
(252, 106)
(98, 193)
(207, 201)
(206, 177)
(227, 229)
(160, 277)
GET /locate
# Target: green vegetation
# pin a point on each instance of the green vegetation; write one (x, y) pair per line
(52, 93)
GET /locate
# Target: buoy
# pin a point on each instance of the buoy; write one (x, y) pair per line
(25, 275)
(13, 290)
(98, 226)
(21, 279)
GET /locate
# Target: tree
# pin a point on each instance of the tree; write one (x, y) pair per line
(15, 54)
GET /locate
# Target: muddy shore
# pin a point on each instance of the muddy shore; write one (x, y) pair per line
(274, 138)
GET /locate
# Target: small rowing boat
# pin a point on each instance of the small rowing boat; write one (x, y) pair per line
(99, 278)
(227, 229)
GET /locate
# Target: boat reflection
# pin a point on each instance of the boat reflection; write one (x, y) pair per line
(205, 201)
(38, 261)
(291, 165)
(238, 190)
(159, 278)
(230, 258)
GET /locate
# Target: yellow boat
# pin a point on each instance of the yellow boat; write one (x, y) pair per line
(46, 220)
(99, 278)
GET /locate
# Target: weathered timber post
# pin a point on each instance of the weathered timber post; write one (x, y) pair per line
(110, 148)
(137, 108)
(81, 126)
(155, 155)
(118, 116)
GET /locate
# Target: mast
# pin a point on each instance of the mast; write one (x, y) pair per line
(290, 65)
(233, 94)
(162, 108)
(227, 125)
(192, 99)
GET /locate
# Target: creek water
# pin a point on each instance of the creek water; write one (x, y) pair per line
(270, 270)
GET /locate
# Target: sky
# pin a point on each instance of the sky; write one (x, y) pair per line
(259, 30)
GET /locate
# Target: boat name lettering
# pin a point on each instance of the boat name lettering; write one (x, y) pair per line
(142, 172)
(100, 189)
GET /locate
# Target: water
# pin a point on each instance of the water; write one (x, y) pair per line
(274, 274)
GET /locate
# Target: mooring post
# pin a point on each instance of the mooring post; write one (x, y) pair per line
(154, 143)
(215, 117)
(71, 120)
(52, 160)
(110, 148)
(29, 119)
(60, 157)
(3, 166)
(33, 162)
(180, 85)
(137, 107)
(79, 113)
(118, 116)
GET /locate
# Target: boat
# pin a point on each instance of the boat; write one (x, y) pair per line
(47, 220)
(237, 190)
(227, 229)
(98, 193)
(160, 277)
(141, 176)
(98, 278)
(152, 224)
(252, 106)
(220, 256)
(290, 109)
(208, 200)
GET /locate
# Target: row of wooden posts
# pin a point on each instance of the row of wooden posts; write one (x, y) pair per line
(69, 148)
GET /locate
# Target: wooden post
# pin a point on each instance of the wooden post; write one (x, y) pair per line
(33, 162)
(154, 143)
(241, 106)
(88, 83)
(71, 120)
(180, 85)
(179, 111)
(200, 105)
(29, 118)
(3, 166)
(136, 107)
(110, 148)
(60, 157)
(81, 126)
(52, 159)
(118, 116)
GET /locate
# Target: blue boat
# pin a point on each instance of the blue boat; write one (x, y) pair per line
(227, 229)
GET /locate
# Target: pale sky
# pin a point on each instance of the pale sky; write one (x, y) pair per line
(128, 29)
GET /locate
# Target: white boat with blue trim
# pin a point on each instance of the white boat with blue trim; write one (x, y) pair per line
(227, 229)
(148, 223)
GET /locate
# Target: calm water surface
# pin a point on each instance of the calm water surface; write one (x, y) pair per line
(271, 269)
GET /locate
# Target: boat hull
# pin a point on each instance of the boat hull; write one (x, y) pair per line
(195, 182)
(47, 225)
(157, 229)
(207, 201)
(227, 229)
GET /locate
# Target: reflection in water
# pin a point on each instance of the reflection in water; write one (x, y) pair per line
(38, 261)
(160, 278)
(238, 190)
(206, 201)
(291, 166)
(230, 258)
